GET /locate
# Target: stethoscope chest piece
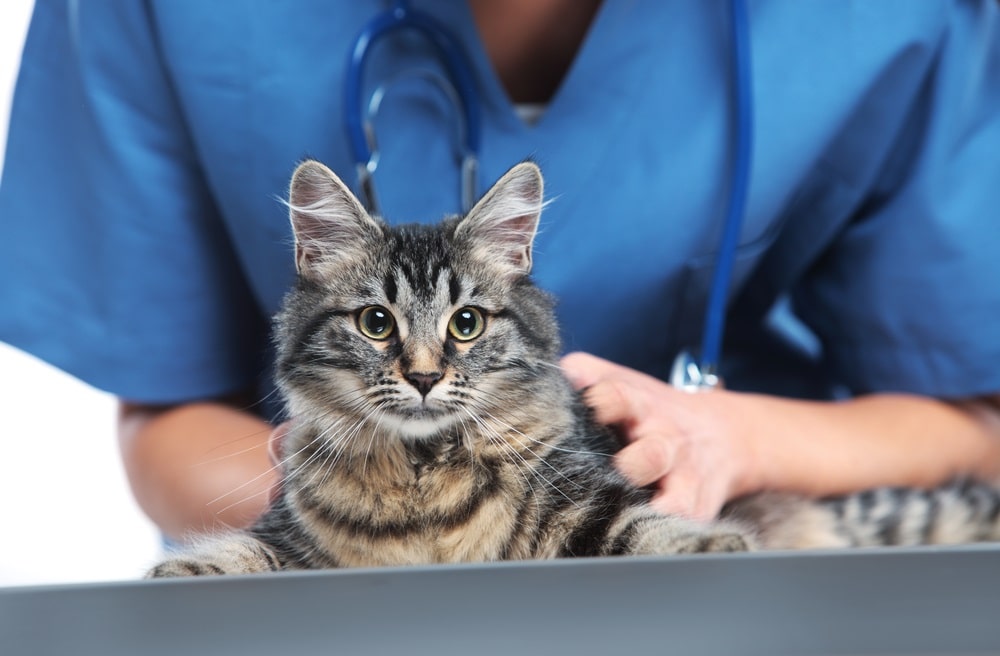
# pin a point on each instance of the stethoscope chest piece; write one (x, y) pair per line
(686, 374)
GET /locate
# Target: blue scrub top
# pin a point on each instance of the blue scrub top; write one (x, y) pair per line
(143, 246)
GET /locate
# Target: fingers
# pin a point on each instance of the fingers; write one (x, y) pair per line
(687, 494)
(646, 461)
(673, 440)
(615, 402)
(682, 491)
(617, 394)
(679, 495)
(584, 370)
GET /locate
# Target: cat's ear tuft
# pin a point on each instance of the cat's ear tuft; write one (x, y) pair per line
(329, 223)
(502, 225)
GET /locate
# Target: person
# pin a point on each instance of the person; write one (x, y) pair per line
(143, 246)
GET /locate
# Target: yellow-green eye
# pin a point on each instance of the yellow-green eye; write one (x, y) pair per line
(468, 323)
(376, 322)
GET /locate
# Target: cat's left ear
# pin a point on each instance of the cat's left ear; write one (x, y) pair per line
(502, 225)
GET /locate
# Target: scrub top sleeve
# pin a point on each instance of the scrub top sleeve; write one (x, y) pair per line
(114, 264)
(908, 298)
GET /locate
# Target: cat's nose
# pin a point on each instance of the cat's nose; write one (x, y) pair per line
(423, 381)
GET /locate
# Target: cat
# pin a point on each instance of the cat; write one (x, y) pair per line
(432, 423)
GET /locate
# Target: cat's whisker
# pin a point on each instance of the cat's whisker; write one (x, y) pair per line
(552, 365)
(335, 447)
(496, 438)
(341, 398)
(346, 425)
(278, 466)
(328, 448)
(262, 401)
(534, 471)
(349, 436)
(241, 500)
(538, 473)
(374, 436)
(464, 431)
(266, 472)
(505, 449)
(554, 447)
(231, 454)
(541, 458)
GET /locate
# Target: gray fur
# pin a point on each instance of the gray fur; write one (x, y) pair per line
(423, 448)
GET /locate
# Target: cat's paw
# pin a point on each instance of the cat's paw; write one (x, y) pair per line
(176, 567)
(233, 554)
(673, 536)
(715, 542)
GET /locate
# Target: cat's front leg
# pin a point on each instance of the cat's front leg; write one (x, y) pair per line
(232, 554)
(662, 535)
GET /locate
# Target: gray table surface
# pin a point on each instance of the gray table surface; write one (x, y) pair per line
(925, 601)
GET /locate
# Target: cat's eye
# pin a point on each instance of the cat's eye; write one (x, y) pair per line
(466, 324)
(375, 322)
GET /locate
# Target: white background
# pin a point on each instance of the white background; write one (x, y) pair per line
(66, 514)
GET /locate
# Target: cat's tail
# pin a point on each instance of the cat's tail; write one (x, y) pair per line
(959, 513)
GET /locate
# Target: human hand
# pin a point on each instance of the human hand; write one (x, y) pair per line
(687, 444)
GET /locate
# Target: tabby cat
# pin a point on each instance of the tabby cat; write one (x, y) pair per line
(432, 422)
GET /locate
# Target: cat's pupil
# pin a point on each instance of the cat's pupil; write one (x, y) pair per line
(376, 322)
(465, 322)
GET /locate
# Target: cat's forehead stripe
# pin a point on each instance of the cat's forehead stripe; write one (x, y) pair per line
(391, 289)
(454, 287)
(417, 277)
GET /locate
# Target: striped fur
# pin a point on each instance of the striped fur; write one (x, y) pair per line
(959, 513)
(411, 444)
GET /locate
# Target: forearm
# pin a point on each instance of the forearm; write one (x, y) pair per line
(197, 466)
(823, 448)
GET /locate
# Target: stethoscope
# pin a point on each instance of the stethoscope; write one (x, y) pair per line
(688, 373)
(459, 87)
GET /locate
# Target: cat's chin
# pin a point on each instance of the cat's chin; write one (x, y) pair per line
(417, 427)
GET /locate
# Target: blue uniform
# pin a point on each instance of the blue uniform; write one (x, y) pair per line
(143, 246)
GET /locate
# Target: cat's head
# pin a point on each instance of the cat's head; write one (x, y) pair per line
(416, 328)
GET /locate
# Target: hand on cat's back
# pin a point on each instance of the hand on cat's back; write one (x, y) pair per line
(687, 445)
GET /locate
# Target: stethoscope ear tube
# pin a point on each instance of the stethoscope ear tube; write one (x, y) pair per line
(461, 80)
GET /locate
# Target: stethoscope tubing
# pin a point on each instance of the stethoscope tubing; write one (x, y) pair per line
(739, 180)
(401, 16)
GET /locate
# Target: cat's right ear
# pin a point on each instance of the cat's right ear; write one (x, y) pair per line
(331, 227)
